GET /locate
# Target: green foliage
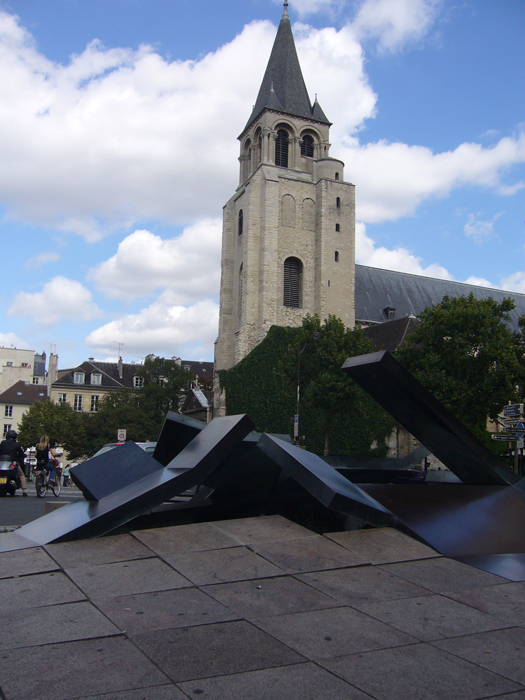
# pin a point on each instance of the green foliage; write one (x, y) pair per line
(467, 356)
(166, 384)
(127, 409)
(59, 422)
(335, 415)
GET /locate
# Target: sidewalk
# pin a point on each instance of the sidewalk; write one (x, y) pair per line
(256, 608)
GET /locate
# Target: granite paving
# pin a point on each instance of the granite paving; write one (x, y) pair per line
(256, 608)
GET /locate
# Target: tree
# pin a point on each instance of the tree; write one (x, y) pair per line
(467, 356)
(335, 414)
(59, 422)
(166, 384)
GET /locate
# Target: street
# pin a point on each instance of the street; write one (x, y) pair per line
(19, 511)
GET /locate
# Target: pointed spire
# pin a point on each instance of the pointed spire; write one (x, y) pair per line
(283, 83)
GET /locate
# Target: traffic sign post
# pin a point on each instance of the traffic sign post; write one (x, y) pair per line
(515, 409)
(503, 438)
(121, 435)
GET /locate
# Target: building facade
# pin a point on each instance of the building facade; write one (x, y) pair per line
(288, 241)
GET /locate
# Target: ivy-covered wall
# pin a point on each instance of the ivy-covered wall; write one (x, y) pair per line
(333, 410)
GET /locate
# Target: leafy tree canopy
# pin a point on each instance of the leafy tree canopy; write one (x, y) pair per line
(465, 353)
(59, 422)
(166, 384)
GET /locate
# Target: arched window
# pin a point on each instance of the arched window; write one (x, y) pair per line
(338, 227)
(307, 146)
(241, 295)
(241, 221)
(293, 279)
(281, 148)
(337, 176)
(338, 202)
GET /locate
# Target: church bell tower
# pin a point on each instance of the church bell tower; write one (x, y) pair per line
(288, 239)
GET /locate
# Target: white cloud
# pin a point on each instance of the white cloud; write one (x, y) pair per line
(514, 282)
(398, 259)
(161, 328)
(480, 282)
(509, 190)
(59, 299)
(42, 259)
(395, 23)
(8, 340)
(189, 265)
(395, 178)
(479, 229)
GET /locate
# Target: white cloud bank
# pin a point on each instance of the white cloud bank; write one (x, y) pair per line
(61, 298)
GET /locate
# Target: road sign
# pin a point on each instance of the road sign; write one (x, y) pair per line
(515, 409)
(507, 438)
(121, 435)
(511, 422)
(520, 428)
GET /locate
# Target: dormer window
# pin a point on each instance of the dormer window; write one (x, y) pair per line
(138, 382)
(79, 377)
(96, 379)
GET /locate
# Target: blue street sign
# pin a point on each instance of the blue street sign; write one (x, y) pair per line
(513, 410)
(520, 428)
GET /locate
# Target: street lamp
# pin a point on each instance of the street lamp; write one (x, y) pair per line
(313, 336)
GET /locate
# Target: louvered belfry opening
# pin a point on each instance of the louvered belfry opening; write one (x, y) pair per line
(293, 272)
(307, 146)
(281, 148)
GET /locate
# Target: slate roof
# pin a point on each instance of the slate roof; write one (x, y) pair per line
(108, 370)
(24, 393)
(405, 294)
(199, 369)
(391, 334)
(283, 88)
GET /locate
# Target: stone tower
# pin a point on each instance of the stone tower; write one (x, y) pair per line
(288, 238)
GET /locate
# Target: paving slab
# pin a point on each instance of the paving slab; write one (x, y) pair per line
(76, 669)
(431, 617)
(305, 681)
(382, 545)
(323, 634)
(223, 565)
(183, 539)
(211, 650)
(505, 601)
(270, 596)
(99, 550)
(184, 607)
(418, 672)
(126, 578)
(495, 651)
(25, 561)
(362, 584)
(442, 575)
(307, 554)
(53, 624)
(266, 528)
(37, 590)
(160, 692)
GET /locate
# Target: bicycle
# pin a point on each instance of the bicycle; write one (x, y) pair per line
(43, 483)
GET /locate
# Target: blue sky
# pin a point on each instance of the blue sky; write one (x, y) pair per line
(118, 133)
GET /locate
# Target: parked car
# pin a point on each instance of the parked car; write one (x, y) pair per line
(148, 447)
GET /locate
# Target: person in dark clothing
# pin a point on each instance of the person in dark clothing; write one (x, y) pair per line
(45, 456)
(14, 450)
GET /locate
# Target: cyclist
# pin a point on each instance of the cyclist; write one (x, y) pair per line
(45, 456)
(14, 450)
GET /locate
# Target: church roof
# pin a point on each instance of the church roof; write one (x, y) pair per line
(283, 88)
(381, 295)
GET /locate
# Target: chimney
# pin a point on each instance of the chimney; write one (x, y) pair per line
(52, 371)
(120, 367)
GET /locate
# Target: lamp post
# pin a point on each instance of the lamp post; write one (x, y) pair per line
(313, 336)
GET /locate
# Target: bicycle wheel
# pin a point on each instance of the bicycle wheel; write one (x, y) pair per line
(56, 486)
(40, 485)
